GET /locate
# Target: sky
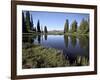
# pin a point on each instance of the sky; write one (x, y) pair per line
(56, 20)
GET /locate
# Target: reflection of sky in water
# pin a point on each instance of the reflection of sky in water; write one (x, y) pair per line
(71, 46)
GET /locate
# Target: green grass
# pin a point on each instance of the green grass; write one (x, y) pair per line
(40, 57)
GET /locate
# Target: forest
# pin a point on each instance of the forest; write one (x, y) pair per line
(28, 25)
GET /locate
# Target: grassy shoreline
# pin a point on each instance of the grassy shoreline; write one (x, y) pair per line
(38, 56)
(41, 57)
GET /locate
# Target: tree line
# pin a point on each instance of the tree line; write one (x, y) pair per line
(28, 25)
(83, 28)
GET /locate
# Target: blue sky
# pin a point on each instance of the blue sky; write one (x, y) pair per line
(56, 20)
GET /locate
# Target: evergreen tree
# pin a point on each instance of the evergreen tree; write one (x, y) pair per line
(27, 21)
(66, 26)
(84, 26)
(23, 23)
(38, 26)
(45, 30)
(74, 26)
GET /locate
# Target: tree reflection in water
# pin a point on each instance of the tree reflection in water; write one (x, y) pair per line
(66, 40)
(39, 39)
(45, 36)
(73, 40)
(83, 41)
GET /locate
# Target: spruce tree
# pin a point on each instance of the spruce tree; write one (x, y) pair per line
(27, 21)
(84, 26)
(45, 30)
(38, 26)
(74, 26)
(66, 26)
(23, 23)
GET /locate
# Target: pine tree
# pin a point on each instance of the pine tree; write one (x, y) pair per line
(74, 26)
(84, 26)
(27, 21)
(66, 26)
(23, 23)
(45, 30)
(38, 26)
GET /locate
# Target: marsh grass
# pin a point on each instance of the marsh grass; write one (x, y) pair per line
(38, 56)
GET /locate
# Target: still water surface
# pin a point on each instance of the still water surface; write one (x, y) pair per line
(71, 46)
